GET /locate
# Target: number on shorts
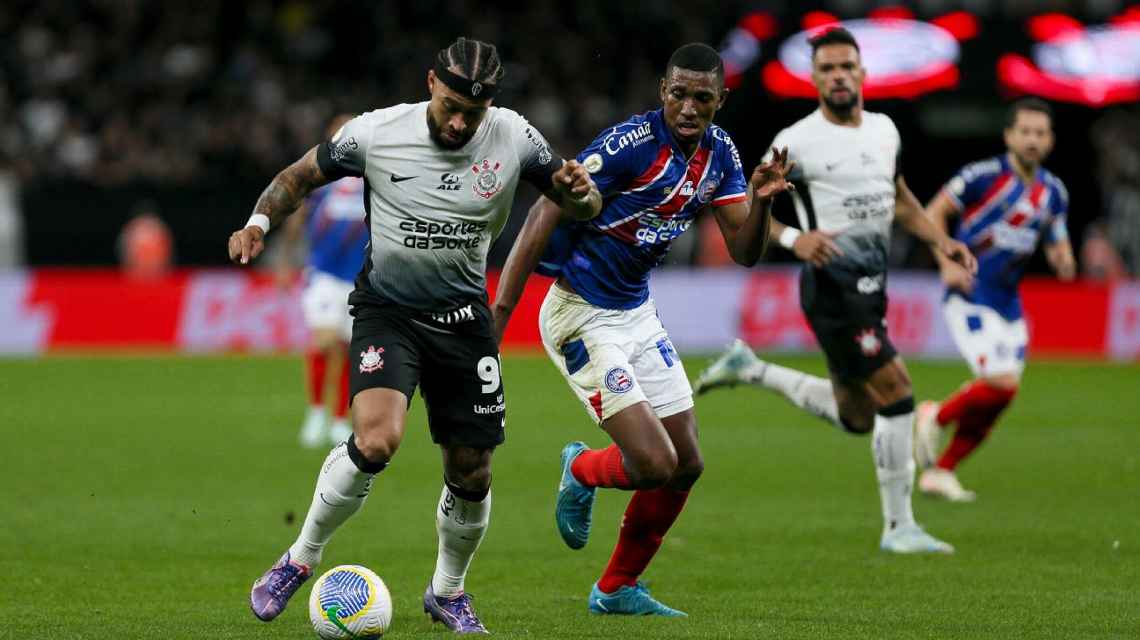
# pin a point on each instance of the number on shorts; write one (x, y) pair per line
(488, 371)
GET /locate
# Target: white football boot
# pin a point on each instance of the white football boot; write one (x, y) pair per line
(927, 434)
(911, 538)
(941, 483)
(729, 369)
(314, 431)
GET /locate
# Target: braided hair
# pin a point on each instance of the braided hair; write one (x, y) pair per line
(476, 60)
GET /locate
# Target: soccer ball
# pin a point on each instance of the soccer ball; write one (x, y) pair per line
(350, 601)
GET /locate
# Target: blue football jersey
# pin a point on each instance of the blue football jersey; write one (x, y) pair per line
(651, 194)
(335, 228)
(1003, 219)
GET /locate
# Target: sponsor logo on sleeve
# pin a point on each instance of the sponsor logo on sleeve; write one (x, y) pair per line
(338, 152)
(616, 141)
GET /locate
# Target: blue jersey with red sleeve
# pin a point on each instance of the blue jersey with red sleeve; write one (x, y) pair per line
(651, 193)
(335, 228)
(1003, 219)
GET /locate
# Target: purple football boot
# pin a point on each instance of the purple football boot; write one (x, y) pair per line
(455, 612)
(273, 589)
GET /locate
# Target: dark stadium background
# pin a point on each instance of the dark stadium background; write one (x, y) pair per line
(194, 106)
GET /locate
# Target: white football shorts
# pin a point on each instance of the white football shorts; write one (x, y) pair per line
(991, 344)
(612, 358)
(324, 303)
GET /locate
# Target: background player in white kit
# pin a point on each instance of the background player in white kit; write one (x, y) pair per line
(1008, 204)
(332, 223)
(441, 178)
(849, 187)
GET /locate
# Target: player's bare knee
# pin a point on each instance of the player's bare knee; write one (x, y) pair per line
(653, 469)
(376, 441)
(688, 472)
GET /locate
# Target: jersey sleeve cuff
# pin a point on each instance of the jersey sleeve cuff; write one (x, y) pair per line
(953, 198)
(729, 199)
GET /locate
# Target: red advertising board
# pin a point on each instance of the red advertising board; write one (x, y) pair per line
(226, 310)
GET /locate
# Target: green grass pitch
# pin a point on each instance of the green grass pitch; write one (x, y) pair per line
(142, 495)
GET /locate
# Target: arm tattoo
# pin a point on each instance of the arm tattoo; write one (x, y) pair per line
(289, 187)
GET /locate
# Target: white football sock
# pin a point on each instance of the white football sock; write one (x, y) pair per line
(460, 524)
(341, 490)
(894, 466)
(810, 393)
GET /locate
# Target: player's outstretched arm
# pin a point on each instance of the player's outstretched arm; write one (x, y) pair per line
(574, 190)
(909, 213)
(746, 228)
(281, 198)
(541, 221)
(954, 275)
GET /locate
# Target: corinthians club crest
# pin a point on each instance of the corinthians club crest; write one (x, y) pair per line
(370, 360)
(869, 343)
(487, 182)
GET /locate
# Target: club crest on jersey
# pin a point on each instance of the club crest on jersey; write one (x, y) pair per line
(487, 182)
(370, 360)
(708, 188)
(618, 380)
(868, 342)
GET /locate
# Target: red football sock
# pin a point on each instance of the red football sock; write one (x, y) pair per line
(647, 519)
(315, 375)
(975, 423)
(342, 395)
(601, 468)
(971, 396)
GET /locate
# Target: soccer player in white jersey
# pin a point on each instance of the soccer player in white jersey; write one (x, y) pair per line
(658, 171)
(441, 178)
(1008, 205)
(849, 187)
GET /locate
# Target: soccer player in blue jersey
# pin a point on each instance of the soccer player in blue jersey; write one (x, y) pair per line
(332, 223)
(1007, 204)
(656, 171)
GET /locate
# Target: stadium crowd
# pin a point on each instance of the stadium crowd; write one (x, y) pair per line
(120, 90)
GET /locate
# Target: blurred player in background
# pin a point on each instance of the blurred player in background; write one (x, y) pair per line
(657, 171)
(1007, 205)
(441, 177)
(332, 223)
(849, 188)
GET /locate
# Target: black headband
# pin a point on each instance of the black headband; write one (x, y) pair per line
(459, 84)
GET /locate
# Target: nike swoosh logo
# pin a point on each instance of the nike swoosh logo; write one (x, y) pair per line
(322, 494)
(396, 178)
(600, 605)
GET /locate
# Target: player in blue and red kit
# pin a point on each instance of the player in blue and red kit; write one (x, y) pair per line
(1007, 204)
(656, 172)
(332, 221)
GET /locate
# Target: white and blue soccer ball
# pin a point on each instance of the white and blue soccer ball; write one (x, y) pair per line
(350, 601)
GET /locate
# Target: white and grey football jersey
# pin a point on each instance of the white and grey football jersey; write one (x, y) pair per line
(434, 212)
(844, 176)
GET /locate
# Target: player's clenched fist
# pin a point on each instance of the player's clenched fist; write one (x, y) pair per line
(572, 180)
(246, 244)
